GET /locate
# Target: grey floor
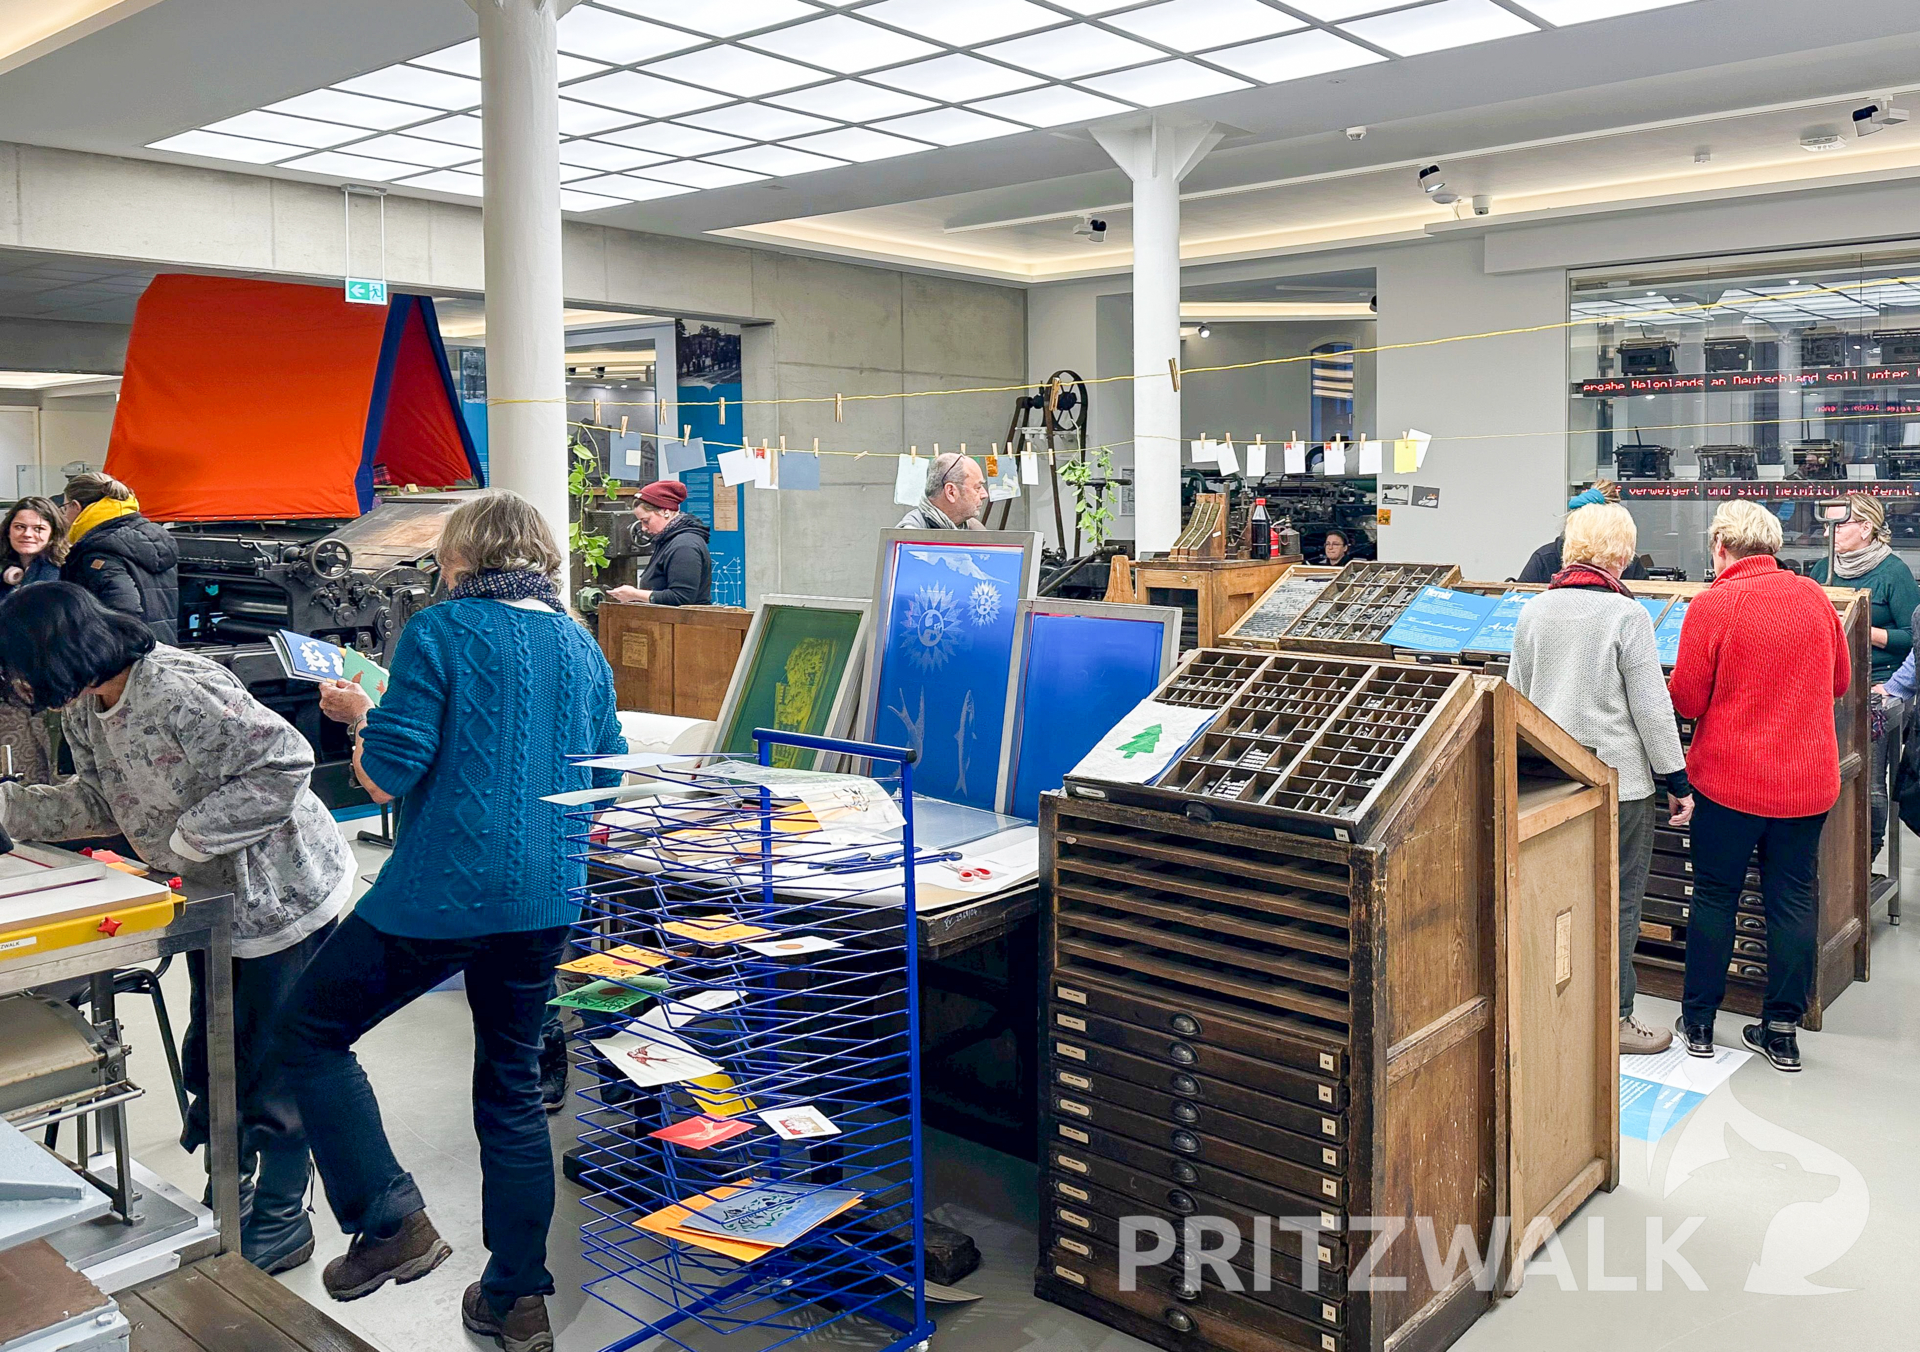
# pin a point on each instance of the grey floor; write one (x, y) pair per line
(1808, 1188)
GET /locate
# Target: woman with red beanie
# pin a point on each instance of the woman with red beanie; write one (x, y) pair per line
(680, 573)
(1762, 659)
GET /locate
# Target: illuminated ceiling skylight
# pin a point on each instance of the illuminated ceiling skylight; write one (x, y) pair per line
(665, 97)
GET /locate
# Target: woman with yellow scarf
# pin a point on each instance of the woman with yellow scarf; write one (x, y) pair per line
(129, 563)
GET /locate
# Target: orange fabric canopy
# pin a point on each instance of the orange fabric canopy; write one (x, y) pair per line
(246, 400)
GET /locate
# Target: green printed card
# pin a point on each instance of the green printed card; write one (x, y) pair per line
(611, 997)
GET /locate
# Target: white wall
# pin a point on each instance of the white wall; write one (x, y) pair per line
(1273, 401)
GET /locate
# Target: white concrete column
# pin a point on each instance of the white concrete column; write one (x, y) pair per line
(1156, 152)
(526, 335)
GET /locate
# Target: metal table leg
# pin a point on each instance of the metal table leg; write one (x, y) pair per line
(223, 1123)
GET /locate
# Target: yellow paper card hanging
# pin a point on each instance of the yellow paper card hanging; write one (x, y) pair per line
(1406, 455)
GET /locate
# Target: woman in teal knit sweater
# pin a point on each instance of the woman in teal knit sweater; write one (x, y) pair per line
(493, 691)
(1864, 559)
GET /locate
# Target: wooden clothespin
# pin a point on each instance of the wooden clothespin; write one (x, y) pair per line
(839, 409)
(686, 431)
(1173, 369)
(723, 410)
(623, 424)
(816, 445)
(596, 410)
(783, 445)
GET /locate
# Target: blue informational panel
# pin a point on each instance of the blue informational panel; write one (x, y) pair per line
(727, 543)
(1656, 606)
(1079, 675)
(1495, 634)
(1440, 620)
(1666, 634)
(943, 651)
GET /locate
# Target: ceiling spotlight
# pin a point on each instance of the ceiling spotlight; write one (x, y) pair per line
(1821, 143)
(1435, 187)
(1704, 155)
(1205, 332)
(1878, 116)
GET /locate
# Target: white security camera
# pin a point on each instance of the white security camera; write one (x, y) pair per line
(1878, 116)
(1482, 204)
(1356, 133)
(1093, 229)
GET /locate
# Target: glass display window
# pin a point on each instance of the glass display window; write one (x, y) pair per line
(1787, 379)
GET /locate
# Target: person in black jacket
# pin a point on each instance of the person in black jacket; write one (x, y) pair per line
(680, 573)
(1546, 562)
(125, 560)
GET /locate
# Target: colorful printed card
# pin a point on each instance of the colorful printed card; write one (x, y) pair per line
(650, 1064)
(793, 947)
(315, 659)
(701, 1133)
(801, 1123)
(773, 1214)
(715, 929)
(669, 1222)
(616, 962)
(604, 997)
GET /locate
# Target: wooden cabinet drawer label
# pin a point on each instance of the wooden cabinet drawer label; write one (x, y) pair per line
(1068, 993)
(1329, 1127)
(1069, 1162)
(1073, 1218)
(1074, 1246)
(1326, 1254)
(1330, 1187)
(1326, 1093)
(1327, 1344)
(633, 651)
(1329, 1221)
(1068, 1021)
(1068, 1190)
(1067, 1105)
(1072, 1081)
(1073, 1134)
(1330, 1158)
(1069, 1274)
(1068, 1050)
(1329, 1313)
(1326, 1061)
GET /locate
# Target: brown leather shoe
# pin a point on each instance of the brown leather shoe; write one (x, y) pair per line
(369, 1264)
(524, 1329)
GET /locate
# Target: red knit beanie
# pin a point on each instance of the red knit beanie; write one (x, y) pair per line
(667, 494)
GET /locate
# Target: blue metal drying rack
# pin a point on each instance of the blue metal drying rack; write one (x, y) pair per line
(836, 1028)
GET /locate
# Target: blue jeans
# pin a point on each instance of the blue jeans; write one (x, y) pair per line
(359, 978)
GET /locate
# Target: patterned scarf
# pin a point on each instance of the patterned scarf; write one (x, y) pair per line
(1586, 575)
(508, 584)
(1853, 563)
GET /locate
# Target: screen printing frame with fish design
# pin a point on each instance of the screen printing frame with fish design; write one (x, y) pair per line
(981, 657)
(731, 734)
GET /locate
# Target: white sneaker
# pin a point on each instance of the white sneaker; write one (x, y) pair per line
(1636, 1039)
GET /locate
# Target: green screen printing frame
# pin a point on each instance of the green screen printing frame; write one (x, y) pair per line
(753, 688)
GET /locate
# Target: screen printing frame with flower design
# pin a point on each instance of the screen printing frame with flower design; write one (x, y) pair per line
(940, 654)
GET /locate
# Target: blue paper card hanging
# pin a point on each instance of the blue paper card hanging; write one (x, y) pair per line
(677, 457)
(799, 471)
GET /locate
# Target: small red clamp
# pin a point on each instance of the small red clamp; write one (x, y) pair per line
(109, 926)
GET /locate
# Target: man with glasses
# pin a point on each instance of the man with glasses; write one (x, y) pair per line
(956, 496)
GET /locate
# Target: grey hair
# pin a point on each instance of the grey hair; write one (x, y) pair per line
(500, 531)
(941, 469)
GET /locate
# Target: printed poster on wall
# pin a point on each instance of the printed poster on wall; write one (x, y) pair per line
(709, 359)
(944, 662)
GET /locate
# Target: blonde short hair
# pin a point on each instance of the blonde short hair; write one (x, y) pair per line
(1743, 528)
(499, 531)
(1600, 533)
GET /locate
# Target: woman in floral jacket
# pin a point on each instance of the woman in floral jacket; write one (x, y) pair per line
(207, 783)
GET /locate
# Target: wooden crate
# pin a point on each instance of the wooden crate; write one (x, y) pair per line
(1222, 589)
(1407, 1011)
(672, 659)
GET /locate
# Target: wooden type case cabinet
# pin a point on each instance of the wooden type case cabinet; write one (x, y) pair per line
(1375, 978)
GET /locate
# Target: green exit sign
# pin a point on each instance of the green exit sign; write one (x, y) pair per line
(366, 291)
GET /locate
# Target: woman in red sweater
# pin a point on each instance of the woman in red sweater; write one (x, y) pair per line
(1762, 659)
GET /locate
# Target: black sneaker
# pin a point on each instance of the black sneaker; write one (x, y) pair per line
(1777, 1041)
(553, 1072)
(1698, 1037)
(369, 1264)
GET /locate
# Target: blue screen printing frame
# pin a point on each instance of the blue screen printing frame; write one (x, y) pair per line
(1125, 689)
(958, 605)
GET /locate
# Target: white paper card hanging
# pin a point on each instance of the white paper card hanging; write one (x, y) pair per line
(1369, 457)
(1294, 457)
(740, 467)
(1226, 457)
(1335, 463)
(1421, 440)
(909, 481)
(1202, 450)
(1257, 460)
(1029, 468)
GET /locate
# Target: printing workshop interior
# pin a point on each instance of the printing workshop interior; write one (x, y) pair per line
(994, 675)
